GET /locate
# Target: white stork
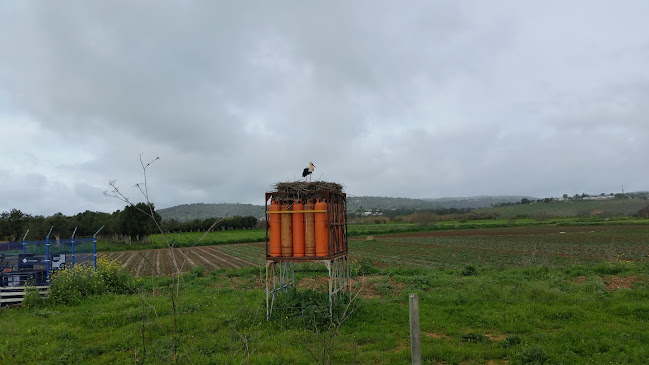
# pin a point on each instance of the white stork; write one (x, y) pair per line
(308, 171)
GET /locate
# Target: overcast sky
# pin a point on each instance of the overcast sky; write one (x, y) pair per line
(417, 99)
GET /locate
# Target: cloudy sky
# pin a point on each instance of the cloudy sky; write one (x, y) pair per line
(417, 99)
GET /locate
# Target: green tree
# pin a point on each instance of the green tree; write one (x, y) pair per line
(136, 220)
(89, 222)
(61, 224)
(13, 224)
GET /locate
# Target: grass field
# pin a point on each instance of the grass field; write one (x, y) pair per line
(569, 294)
(572, 208)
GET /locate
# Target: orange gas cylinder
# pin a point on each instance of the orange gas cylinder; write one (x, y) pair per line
(298, 229)
(286, 231)
(309, 229)
(275, 235)
(321, 229)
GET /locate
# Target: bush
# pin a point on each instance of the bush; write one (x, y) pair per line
(534, 355)
(32, 298)
(309, 309)
(364, 267)
(197, 271)
(71, 285)
(114, 278)
(511, 341)
(469, 270)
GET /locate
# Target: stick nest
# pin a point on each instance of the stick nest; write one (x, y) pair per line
(307, 190)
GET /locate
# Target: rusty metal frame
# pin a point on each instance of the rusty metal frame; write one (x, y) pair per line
(337, 244)
(280, 278)
(280, 270)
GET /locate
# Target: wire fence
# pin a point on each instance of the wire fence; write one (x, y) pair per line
(62, 252)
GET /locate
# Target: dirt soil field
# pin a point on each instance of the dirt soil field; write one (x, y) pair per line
(164, 261)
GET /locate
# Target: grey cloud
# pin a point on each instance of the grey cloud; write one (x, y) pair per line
(419, 99)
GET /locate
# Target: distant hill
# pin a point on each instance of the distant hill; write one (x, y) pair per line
(385, 203)
(571, 208)
(187, 212)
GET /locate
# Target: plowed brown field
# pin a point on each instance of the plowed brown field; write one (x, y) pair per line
(166, 261)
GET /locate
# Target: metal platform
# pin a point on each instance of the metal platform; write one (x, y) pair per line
(280, 277)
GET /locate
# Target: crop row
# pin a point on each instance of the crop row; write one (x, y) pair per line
(549, 247)
(167, 261)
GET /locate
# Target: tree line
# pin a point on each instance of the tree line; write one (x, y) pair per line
(134, 222)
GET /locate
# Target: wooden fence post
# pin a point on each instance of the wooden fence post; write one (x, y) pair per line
(415, 345)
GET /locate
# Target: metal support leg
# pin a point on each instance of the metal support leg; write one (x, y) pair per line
(280, 277)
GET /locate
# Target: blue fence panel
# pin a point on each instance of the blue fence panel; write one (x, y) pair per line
(61, 251)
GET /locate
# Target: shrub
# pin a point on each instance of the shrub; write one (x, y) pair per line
(534, 355)
(511, 341)
(364, 267)
(69, 286)
(309, 308)
(469, 270)
(113, 277)
(32, 298)
(197, 271)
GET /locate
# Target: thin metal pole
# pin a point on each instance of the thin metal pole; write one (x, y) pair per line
(47, 253)
(328, 264)
(75, 231)
(25, 243)
(267, 292)
(94, 241)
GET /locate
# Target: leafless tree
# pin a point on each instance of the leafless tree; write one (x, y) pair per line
(174, 291)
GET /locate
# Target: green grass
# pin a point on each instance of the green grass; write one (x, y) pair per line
(505, 295)
(519, 315)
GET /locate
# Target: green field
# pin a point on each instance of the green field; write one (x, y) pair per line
(568, 294)
(571, 208)
(187, 239)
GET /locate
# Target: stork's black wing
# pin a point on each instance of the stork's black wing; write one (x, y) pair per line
(305, 172)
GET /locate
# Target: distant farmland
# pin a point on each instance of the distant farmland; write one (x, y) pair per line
(571, 208)
(506, 247)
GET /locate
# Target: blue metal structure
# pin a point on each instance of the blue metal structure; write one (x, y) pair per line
(72, 241)
(94, 241)
(47, 253)
(25, 242)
